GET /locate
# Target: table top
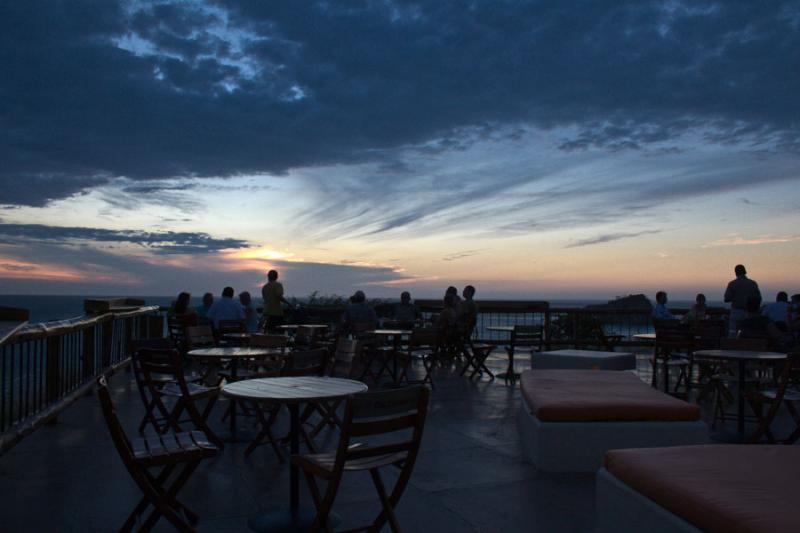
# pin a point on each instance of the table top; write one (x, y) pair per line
(507, 329)
(295, 326)
(747, 355)
(585, 353)
(389, 332)
(645, 336)
(297, 389)
(234, 351)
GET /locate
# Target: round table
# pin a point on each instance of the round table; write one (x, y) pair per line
(742, 357)
(291, 391)
(510, 374)
(396, 335)
(234, 353)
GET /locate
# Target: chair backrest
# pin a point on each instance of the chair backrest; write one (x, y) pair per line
(176, 329)
(527, 335)
(262, 340)
(672, 335)
(231, 326)
(163, 343)
(423, 338)
(347, 352)
(708, 333)
(157, 366)
(306, 363)
(754, 345)
(121, 442)
(199, 337)
(371, 414)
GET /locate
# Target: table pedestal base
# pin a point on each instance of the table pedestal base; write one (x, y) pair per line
(284, 520)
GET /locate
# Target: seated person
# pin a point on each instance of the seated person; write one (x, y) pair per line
(406, 312)
(250, 313)
(467, 311)
(778, 311)
(182, 311)
(448, 318)
(660, 311)
(359, 313)
(202, 309)
(758, 326)
(698, 310)
(226, 308)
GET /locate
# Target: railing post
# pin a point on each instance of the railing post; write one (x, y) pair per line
(88, 352)
(108, 344)
(53, 371)
(143, 332)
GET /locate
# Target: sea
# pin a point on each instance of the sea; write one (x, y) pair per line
(45, 308)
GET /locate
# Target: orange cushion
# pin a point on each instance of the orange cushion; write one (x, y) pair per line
(731, 488)
(599, 395)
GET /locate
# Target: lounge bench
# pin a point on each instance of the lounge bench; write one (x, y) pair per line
(569, 419)
(731, 488)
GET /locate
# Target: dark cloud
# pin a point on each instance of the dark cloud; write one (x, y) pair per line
(93, 90)
(162, 242)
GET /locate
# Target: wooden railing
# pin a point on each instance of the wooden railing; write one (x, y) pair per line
(45, 367)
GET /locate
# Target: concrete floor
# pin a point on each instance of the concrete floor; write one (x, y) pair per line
(470, 475)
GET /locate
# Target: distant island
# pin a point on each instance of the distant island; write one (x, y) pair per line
(632, 301)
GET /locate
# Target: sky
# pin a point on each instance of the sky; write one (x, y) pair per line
(538, 150)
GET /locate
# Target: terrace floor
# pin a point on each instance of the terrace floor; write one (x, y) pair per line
(471, 475)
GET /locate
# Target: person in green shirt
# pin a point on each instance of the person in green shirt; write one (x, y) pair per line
(272, 293)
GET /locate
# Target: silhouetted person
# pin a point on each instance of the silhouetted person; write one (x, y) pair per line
(738, 292)
(406, 312)
(183, 312)
(358, 312)
(778, 311)
(758, 326)
(660, 311)
(202, 309)
(272, 293)
(250, 314)
(226, 308)
(467, 310)
(454, 293)
(698, 311)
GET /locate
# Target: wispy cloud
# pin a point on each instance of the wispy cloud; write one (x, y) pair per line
(738, 240)
(610, 237)
(455, 256)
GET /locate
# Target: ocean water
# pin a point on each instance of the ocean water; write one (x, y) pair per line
(44, 308)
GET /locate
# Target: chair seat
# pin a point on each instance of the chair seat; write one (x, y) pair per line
(790, 395)
(323, 463)
(172, 447)
(195, 390)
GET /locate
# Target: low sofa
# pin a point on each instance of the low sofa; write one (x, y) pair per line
(569, 419)
(725, 488)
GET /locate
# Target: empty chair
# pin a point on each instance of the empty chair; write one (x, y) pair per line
(786, 393)
(673, 348)
(370, 415)
(726, 375)
(160, 374)
(173, 457)
(343, 365)
(423, 343)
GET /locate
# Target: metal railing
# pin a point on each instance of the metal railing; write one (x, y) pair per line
(45, 367)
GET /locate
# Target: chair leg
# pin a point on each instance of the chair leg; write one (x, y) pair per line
(385, 502)
(167, 506)
(791, 439)
(266, 433)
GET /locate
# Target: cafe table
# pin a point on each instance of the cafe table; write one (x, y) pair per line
(234, 354)
(395, 336)
(741, 357)
(291, 391)
(509, 374)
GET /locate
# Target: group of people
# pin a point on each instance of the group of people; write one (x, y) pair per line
(778, 321)
(212, 311)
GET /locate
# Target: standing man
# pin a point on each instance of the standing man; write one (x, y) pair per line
(272, 293)
(739, 291)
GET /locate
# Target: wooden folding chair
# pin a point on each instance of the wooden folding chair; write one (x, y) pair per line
(726, 375)
(370, 415)
(160, 372)
(298, 364)
(342, 366)
(786, 393)
(476, 359)
(177, 455)
(673, 347)
(424, 343)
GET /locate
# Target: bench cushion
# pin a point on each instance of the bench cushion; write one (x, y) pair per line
(599, 395)
(732, 488)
